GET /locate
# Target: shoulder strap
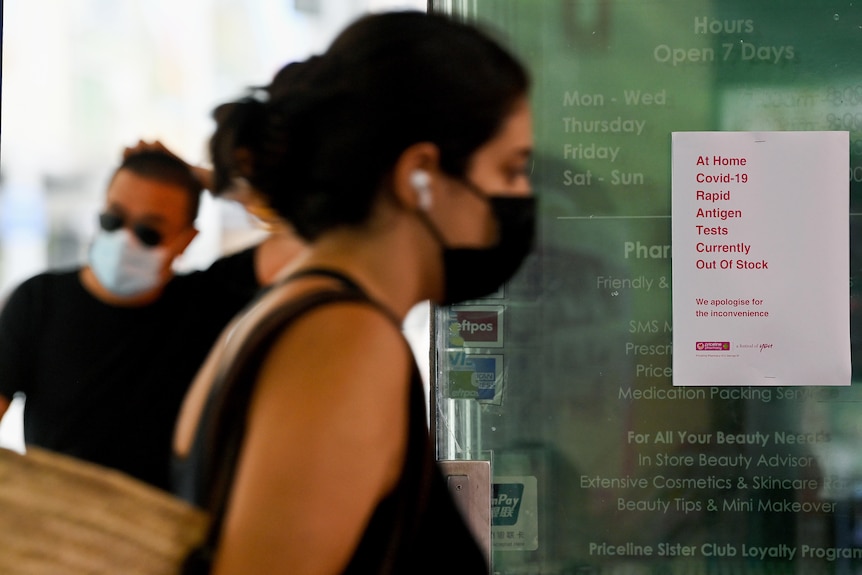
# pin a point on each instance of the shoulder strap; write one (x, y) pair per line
(223, 423)
(218, 441)
(345, 280)
(348, 284)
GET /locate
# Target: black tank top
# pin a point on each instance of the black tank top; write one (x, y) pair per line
(416, 529)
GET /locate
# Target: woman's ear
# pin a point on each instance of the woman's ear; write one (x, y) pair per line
(414, 175)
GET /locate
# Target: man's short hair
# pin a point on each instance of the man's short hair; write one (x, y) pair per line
(166, 168)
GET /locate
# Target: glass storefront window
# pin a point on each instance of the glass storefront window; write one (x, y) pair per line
(564, 379)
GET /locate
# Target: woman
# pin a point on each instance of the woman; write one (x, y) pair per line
(401, 156)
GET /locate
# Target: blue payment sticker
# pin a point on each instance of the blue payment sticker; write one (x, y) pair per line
(474, 376)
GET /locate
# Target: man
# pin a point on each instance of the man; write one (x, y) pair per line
(104, 353)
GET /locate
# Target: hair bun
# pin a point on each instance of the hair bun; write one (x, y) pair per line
(240, 124)
(243, 115)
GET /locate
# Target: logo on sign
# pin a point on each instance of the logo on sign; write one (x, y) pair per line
(477, 326)
(484, 376)
(712, 346)
(506, 503)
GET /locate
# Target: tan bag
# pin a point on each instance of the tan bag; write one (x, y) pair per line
(64, 516)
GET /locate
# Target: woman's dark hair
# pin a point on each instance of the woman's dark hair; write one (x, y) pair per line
(322, 137)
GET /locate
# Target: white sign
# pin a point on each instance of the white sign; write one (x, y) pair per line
(514, 514)
(761, 258)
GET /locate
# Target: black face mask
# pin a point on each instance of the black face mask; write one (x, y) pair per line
(472, 273)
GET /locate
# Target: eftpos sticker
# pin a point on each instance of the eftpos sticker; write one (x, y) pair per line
(474, 376)
(514, 514)
(476, 326)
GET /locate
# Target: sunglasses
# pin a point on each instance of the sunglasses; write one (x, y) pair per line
(148, 235)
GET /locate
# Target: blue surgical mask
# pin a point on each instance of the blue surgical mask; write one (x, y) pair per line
(125, 266)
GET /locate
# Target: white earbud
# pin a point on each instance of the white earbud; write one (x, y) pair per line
(420, 180)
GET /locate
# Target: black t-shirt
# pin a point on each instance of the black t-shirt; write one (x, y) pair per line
(105, 383)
